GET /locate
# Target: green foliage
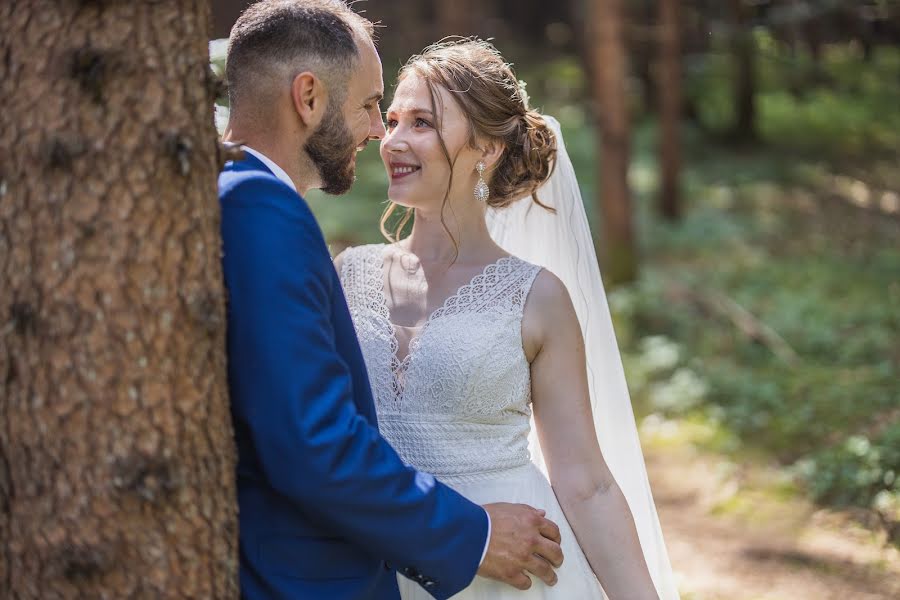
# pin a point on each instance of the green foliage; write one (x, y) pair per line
(832, 413)
(859, 471)
(841, 105)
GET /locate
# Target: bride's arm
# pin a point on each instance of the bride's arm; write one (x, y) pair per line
(587, 492)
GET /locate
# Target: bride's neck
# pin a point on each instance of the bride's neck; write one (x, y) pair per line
(430, 242)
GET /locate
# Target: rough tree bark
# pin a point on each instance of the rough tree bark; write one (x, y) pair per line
(608, 58)
(670, 108)
(116, 452)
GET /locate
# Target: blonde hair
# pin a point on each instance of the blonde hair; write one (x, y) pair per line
(496, 108)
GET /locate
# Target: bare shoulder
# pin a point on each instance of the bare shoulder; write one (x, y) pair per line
(548, 309)
(548, 292)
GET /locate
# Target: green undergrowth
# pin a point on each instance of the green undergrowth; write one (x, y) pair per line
(772, 314)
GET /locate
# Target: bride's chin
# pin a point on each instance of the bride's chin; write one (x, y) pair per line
(401, 199)
(393, 196)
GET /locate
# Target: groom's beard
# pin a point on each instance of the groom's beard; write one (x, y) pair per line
(332, 150)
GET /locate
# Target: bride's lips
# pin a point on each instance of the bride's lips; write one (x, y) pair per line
(400, 170)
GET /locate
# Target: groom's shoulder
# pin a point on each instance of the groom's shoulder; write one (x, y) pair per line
(238, 179)
(258, 188)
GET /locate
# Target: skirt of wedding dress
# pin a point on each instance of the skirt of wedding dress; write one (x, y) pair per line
(523, 485)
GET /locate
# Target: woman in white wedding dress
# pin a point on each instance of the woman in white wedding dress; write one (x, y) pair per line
(466, 345)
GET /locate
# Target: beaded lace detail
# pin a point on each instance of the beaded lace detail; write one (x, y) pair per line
(458, 405)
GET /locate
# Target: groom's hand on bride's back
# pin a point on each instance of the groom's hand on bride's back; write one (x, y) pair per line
(522, 539)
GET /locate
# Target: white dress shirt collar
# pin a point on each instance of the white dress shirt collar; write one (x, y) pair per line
(276, 170)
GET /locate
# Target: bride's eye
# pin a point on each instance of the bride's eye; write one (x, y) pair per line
(390, 123)
(420, 122)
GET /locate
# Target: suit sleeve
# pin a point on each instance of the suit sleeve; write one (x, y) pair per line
(293, 394)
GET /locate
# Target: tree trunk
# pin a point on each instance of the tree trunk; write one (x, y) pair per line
(743, 49)
(608, 54)
(643, 52)
(670, 108)
(116, 450)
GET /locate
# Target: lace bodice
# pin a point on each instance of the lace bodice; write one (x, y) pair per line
(458, 405)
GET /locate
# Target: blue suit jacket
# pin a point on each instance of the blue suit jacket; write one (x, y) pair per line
(325, 503)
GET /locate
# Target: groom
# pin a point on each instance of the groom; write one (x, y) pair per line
(327, 508)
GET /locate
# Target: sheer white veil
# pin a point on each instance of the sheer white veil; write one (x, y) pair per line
(561, 243)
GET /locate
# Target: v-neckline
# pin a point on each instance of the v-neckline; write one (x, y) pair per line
(398, 366)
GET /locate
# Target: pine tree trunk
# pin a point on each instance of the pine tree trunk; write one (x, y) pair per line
(743, 49)
(644, 53)
(670, 108)
(608, 53)
(116, 451)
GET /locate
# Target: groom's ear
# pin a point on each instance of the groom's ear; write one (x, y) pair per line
(309, 98)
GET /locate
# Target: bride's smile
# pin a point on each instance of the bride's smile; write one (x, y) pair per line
(400, 170)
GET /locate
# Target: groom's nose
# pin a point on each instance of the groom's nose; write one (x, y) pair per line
(376, 127)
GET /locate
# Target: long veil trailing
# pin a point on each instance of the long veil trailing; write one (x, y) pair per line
(562, 244)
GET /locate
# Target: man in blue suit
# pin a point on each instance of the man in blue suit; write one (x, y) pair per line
(327, 508)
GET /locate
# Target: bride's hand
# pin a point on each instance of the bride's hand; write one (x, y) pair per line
(522, 539)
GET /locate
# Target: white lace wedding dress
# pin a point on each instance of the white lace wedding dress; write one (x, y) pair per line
(458, 405)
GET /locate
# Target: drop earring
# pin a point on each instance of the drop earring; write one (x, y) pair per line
(482, 192)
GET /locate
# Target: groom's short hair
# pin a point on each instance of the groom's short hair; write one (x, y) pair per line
(275, 40)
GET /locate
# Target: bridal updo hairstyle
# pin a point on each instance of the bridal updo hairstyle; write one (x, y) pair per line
(496, 107)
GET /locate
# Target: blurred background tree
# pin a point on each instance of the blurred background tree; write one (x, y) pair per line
(670, 107)
(608, 62)
(745, 154)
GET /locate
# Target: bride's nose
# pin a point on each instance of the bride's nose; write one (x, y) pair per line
(394, 141)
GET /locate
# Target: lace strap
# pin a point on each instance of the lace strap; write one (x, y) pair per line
(348, 271)
(525, 281)
(360, 271)
(503, 287)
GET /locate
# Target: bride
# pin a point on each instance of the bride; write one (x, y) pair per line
(467, 343)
